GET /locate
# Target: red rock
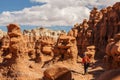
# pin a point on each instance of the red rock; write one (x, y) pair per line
(57, 73)
(101, 26)
(111, 74)
(46, 49)
(67, 48)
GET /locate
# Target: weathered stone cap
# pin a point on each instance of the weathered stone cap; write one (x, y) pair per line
(14, 30)
(57, 71)
(13, 27)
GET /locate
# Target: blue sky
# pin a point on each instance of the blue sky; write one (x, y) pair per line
(15, 5)
(47, 13)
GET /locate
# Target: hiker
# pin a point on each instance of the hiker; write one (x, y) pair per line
(86, 62)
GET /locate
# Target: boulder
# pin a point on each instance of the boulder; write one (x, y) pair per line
(110, 75)
(57, 73)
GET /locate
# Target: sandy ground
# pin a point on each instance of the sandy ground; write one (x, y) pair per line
(77, 70)
(93, 71)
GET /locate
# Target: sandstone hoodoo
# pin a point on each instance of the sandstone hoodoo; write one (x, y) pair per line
(102, 25)
(113, 53)
(66, 48)
(20, 53)
(2, 33)
(47, 45)
(43, 54)
(84, 35)
(4, 48)
(18, 64)
(16, 41)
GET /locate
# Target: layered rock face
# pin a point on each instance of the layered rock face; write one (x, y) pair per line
(20, 53)
(111, 75)
(4, 47)
(40, 41)
(101, 26)
(57, 72)
(16, 66)
(84, 35)
(90, 51)
(16, 41)
(107, 27)
(113, 53)
(23, 54)
(66, 48)
(40, 32)
(2, 33)
(47, 44)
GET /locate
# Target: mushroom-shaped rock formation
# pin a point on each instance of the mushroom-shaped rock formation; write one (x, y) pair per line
(66, 48)
(18, 66)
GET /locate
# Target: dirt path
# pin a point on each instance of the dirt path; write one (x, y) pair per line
(77, 69)
(93, 72)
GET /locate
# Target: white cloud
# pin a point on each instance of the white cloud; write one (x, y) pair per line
(54, 12)
(107, 2)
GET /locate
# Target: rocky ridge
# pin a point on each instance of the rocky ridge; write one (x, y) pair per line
(102, 25)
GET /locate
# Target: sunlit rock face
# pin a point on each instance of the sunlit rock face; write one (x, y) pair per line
(2, 33)
(112, 57)
(30, 51)
(33, 50)
(41, 41)
(40, 32)
(16, 41)
(57, 72)
(4, 48)
(15, 56)
(102, 25)
(66, 48)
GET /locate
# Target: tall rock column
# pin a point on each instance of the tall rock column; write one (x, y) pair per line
(18, 67)
(17, 44)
